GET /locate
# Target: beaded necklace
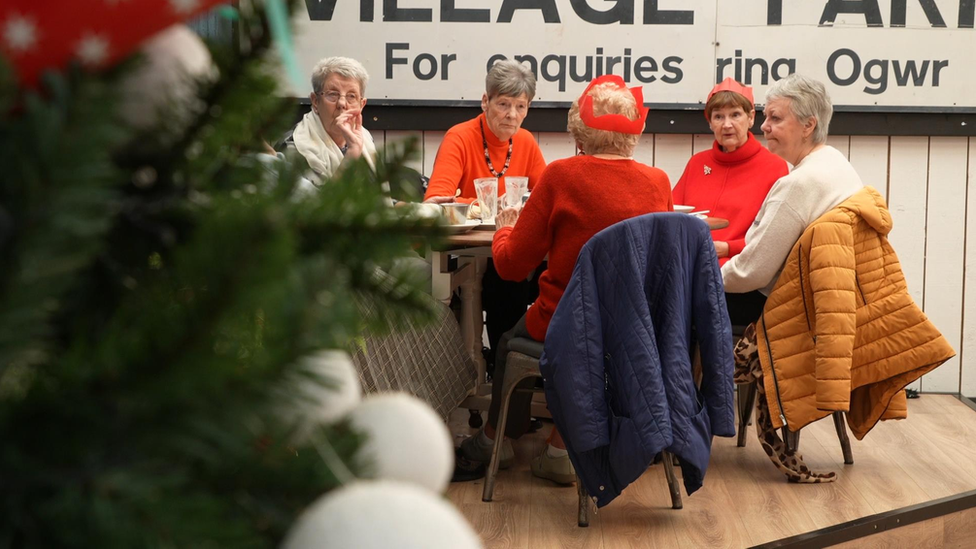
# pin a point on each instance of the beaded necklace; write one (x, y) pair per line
(508, 158)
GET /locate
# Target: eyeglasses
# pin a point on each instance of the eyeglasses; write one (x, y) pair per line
(333, 97)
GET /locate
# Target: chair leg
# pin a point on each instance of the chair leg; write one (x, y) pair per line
(791, 439)
(747, 401)
(583, 519)
(845, 442)
(672, 482)
(496, 450)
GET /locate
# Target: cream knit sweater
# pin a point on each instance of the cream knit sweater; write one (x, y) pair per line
(818, 183)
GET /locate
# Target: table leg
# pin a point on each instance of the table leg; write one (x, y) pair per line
(472, 321)
(441, 284)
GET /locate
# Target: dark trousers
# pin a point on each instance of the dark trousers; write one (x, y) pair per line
(520, 405)
(504, 303)
(744, 309)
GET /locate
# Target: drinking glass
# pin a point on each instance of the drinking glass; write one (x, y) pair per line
(515, 188)
(487, 190)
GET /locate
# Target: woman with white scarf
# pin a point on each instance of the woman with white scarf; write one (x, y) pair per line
(333, 131)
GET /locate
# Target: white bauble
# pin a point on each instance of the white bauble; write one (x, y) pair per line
(164, 84)
(326, 388)
(405, 440)
(381, 514)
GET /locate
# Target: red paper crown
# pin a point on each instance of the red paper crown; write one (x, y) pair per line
(37, 36)
(731, 85)
(613, 122)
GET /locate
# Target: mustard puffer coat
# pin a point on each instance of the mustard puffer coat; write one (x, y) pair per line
(839, 331)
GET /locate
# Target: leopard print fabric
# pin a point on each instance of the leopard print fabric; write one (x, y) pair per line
(749, 370)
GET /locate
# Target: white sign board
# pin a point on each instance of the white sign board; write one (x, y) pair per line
(872, 54)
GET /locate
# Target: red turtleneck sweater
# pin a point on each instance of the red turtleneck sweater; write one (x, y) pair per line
(575, 198)
(731, 186)
(461, 159)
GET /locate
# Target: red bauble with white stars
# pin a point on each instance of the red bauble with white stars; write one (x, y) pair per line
(36, 36)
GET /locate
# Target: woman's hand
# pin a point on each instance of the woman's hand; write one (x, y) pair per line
(350, 123)
(721, 248)
(506, 218)
(439, 200)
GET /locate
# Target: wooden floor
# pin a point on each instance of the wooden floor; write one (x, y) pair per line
(745, 500)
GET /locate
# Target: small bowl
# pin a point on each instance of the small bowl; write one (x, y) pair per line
(455, 213)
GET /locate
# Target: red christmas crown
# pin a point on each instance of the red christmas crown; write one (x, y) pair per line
(731, 85)
(613, 122)
(37, 36)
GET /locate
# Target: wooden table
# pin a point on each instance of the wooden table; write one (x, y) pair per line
(473, 249)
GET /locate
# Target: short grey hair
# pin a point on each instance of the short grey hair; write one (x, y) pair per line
(808, 98)
(510, 78)
(343, 66)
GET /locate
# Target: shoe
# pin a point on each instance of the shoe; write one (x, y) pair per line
(472, 450)
(465, 469)
(559, 470)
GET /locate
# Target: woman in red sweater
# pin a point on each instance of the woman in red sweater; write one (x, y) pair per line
(731, 180)
(575, 198)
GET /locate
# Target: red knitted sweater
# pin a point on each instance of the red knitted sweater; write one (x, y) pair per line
(575, 198)
(461, 159)
(730, 185)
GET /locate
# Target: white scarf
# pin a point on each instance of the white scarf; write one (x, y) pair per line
(318, 148)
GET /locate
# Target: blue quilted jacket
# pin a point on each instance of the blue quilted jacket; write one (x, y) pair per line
(617, 360)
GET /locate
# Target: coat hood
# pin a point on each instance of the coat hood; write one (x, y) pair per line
(870, 205)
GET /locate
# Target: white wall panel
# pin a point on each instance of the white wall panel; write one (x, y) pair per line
(702, 142)
(842, 143)
(907, 200)
(671, 154)
(417, 163)
(944, 247)
(556, 145)
(968, 373)
(644, 152)
(869, 156)
(432, 142)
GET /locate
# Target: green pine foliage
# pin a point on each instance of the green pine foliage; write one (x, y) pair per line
(157, 290)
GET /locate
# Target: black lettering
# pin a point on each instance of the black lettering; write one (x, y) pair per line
(868, 8)
(855, 70)
(320, 10)
(738, 65)
(548, 7)
(445, 62)
(533, 64)
(671, 65)
(967, 8)
(654, 16)
(790, 64)
(643, 69)
(365, 10)
(392, 12)
(599, 62)
(763, 72)
(720, 65)
(912, 71)
(493, 59)
(774, 12)
(881, 80)
(626, 64)
(612, 62)
(937, 67)
(932, 13)
(390, 60)
(419, 73)
(453, 14)
(621, 12)
(574, 73)
(559, 75)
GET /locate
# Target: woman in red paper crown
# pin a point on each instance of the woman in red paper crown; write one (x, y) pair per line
(731, 180)
(574, 199)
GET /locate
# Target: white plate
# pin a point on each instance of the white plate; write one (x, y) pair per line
(683, 209)
(463, 228)
(484, 226)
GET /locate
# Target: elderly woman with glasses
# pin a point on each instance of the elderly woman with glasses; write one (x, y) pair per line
(493, 144)
(333, 131)
(575, 198)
